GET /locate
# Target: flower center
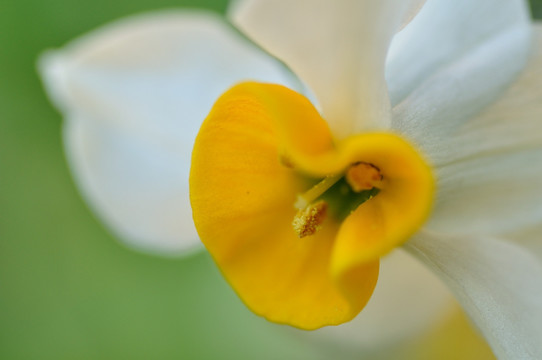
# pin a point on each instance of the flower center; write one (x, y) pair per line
(338, 195)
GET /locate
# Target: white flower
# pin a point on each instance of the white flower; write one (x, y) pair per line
(135, 93)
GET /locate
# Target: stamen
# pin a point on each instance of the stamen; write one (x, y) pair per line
(309, 220)
(363, 176)
(303, 200)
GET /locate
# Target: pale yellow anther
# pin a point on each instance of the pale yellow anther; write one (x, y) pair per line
(363, 176)
(309, 220)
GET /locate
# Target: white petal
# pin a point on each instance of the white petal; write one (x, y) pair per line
(408, 301)
(133, 95)
(451, 61)
(490, 168)
(496, 193)
(498, 283)
(337, 47)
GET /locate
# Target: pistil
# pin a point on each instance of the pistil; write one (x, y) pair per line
(363, 176)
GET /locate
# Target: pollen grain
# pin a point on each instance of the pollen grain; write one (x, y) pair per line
(309, 220)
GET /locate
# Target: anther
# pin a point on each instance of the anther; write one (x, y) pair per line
(309, 220)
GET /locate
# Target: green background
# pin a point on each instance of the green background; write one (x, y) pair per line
(68, 289)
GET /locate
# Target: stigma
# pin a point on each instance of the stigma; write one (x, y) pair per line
(363, 176)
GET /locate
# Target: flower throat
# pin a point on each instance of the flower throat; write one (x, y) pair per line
(337, 195)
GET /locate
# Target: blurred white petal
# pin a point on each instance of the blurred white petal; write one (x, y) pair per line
(529, 237)
(449, 63)
(424, 300)
(133, 95)
(490, 169)
(337, 47)
(498, 283)
(443, 32)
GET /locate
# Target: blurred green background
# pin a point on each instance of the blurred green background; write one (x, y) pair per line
(68, 289)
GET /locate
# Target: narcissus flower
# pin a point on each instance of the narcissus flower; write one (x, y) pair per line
(296, 220)
(398, 129)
